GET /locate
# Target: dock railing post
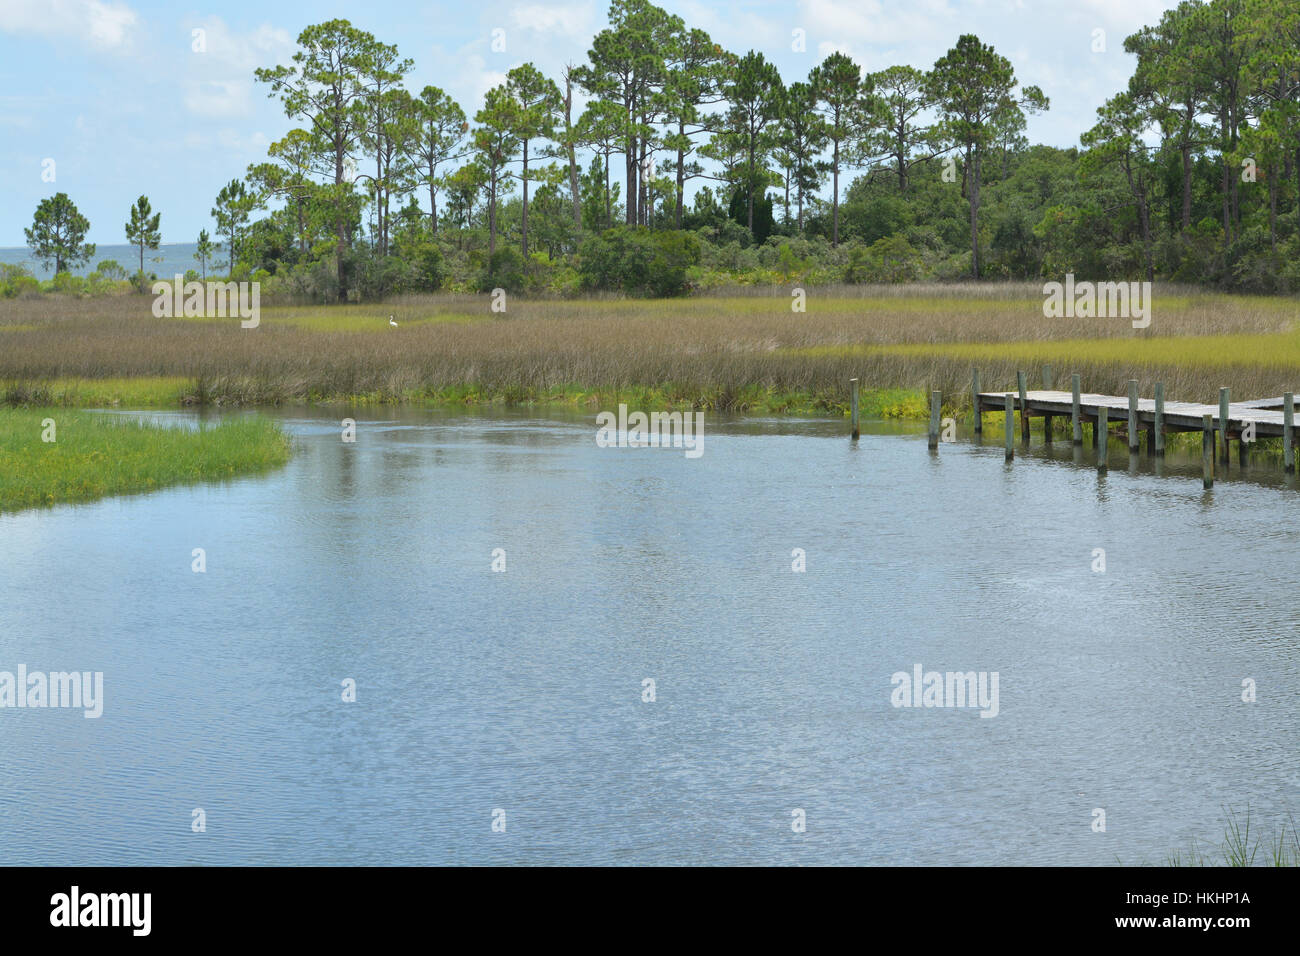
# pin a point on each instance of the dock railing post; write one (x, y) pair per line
(1158, 426)
(1011, 431)
(1103, 427)
(853, 406)
(1288, 432)
(1024, 408)
(1132, 416)
(1224, 402)
(1076, 423)
(936, 399)
(1048, 381)
(1207, 451)
(975, 400)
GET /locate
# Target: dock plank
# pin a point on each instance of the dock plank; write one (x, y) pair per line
(1189, 416)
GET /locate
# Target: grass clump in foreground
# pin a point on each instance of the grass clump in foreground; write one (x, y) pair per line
(1244, 846)
(94, 455)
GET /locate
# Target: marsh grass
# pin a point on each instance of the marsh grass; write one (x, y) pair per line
(96, 455)
(1242, 845)
(739, 352)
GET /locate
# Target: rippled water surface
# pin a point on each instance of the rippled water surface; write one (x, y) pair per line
(522, 690)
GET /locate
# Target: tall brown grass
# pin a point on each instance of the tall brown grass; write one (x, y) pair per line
(710, 347)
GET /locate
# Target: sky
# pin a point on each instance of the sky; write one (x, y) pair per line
(111, 99)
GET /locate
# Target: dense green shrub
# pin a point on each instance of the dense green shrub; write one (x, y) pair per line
(505, 269)
(636, 261)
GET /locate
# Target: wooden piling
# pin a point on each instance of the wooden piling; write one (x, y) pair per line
(853, 407)
(1011, 404)
(1207, 451)
(1049, 381)
(1288, 432)
(1224, 402)
(1132, 416)
(936, 399)
(975, 400)
(1024, 408)
(1103, 427)
(1158, 426)
(1076, 423)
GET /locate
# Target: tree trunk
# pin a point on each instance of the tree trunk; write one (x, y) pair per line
(1187, 186)
(433, 203)
(340, 229)
(835, 197)
(681, 176)
(525, 210)
(750, 188)
(1226, 182)
(492, 218)
(630, 156)
(642, 214)
(1271, 173)
(573, 156)
(974, 213)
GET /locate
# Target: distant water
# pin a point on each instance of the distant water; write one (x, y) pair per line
(166, 261)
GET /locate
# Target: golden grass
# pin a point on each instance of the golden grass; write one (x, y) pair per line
(736, 351)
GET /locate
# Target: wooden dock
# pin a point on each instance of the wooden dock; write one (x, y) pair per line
(1136, 417)
(1178, 416)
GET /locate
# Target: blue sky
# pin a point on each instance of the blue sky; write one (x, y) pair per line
(113, 93)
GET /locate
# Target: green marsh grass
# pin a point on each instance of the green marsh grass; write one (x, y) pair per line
(95, 455)
(1243, 845)
(741, 351)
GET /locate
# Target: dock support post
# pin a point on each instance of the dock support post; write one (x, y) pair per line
(1011, 404)
(1288, 432)
(975, 400)
(853, 407)
(1207, 451)
(1224, 402)
(936, 399)
(1076, 423)
(1132, 416)
(1103, 427)
(1158, 426)
(1024, 408)
(1049, 382)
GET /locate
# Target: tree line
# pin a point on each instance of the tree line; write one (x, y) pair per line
(378, 180)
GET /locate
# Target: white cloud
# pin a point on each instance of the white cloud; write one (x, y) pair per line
(570, 20)
(104, 24)
(220, 82)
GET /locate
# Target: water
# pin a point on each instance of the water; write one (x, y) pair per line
(521, 690)
(169, 259)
